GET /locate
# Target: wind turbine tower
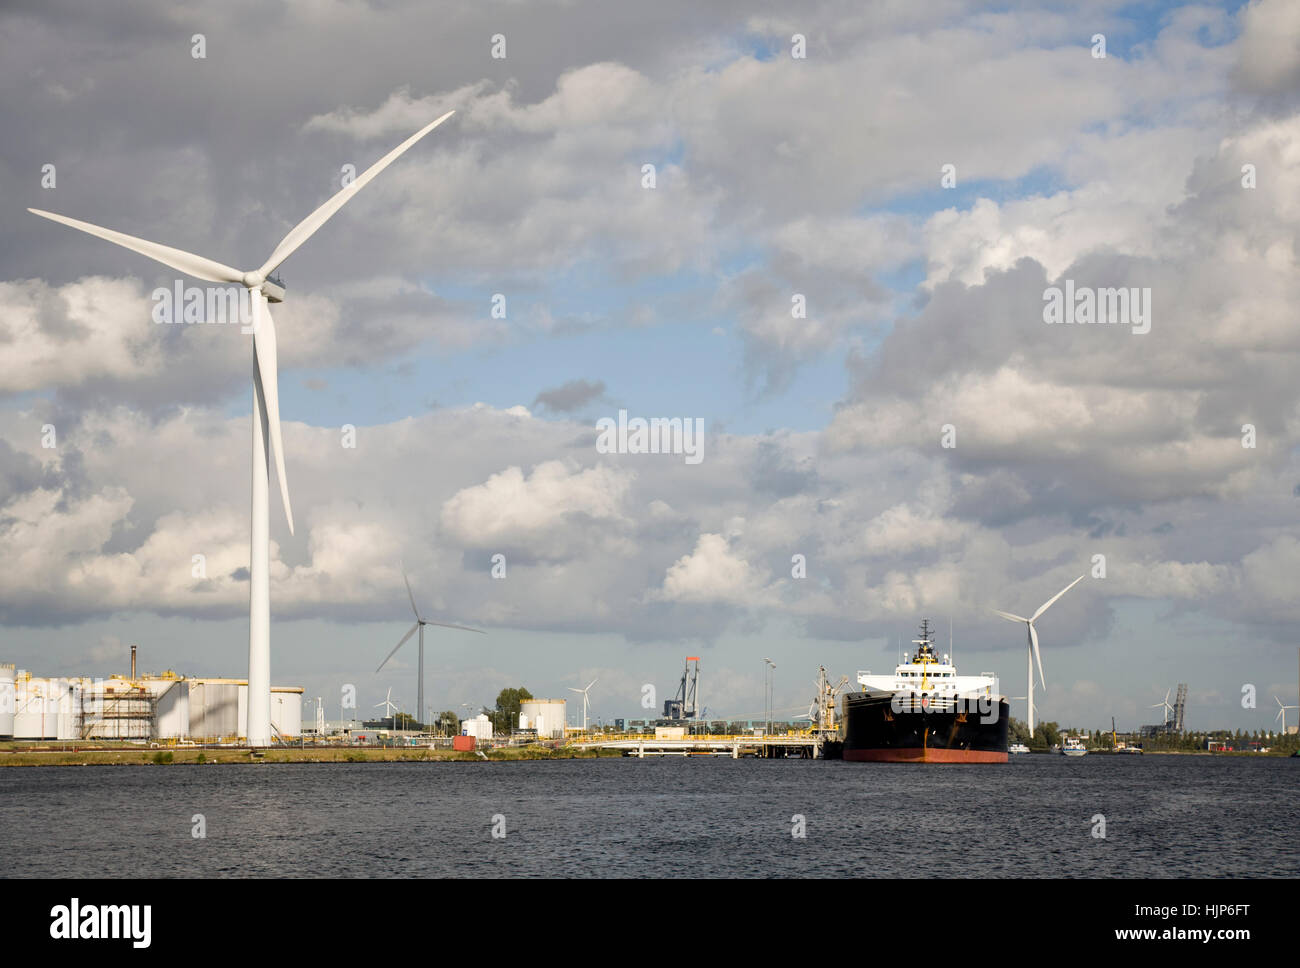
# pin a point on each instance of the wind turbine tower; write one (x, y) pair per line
(585, 700)
(262, 289)
(420, 623)
(1033, 654)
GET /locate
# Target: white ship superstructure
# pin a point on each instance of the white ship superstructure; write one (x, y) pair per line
(932, 679)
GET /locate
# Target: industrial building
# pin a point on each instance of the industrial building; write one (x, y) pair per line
(480, 727)
(546, 716)
(144, 707)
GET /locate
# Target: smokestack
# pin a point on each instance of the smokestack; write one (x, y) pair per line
(133, 663)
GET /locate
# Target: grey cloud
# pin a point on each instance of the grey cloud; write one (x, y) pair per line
(571, 396)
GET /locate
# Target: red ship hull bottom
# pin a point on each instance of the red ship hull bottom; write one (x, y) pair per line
(922, 755)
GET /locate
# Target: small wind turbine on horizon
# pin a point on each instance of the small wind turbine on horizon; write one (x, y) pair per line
(585, 700)
(1034, 655)
(420, 623)
(389, 707)
(266, 404)
(1169, 710)
(1281, 713)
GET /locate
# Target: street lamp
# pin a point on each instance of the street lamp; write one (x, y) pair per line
(769, 670)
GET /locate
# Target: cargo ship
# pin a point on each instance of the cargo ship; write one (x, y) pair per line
(925, 713)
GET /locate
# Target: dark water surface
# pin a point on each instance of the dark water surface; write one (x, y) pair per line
(1165, 816)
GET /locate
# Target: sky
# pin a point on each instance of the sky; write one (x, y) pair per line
(891, 430)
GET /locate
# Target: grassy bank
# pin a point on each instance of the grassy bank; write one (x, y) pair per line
(196, 757)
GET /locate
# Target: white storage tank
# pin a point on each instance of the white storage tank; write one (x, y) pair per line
(547, 715)
(29, 708)
(66, 697)
(214, 708)
(117, 708)
(6, 701)
(172, 705)
(286, 711)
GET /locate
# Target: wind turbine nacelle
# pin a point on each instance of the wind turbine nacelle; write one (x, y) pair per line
(273, 291)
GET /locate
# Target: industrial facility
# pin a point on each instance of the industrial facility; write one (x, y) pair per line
(166, 706)
(1173, 724)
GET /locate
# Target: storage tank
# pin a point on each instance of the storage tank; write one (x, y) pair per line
(6, 701)
(117, 708)
(172, 704)
(286, 711)
(214, 708)
(66, 698)
(546, 714)
(29, 708)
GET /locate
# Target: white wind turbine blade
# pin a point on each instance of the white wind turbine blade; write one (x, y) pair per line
(307, 227)
(411, 631)
(1033, 641)
(590, 684)
(186, 262)
(411, 596)
(571, 689)
(268, 381)
(1008, 615)
(1051, 601)
(448, 625)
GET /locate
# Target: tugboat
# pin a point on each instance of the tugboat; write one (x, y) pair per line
(925, 713)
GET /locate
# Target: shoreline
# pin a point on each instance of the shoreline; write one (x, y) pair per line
(190, 756)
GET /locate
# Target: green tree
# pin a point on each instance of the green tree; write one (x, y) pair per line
(506, 715)
(448, 723)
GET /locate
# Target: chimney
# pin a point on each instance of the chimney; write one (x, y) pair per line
(133, 663)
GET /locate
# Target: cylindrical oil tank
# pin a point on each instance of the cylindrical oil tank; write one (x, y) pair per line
(68, 699)
(172, 698)
(546, 714)
(214, 708)
(29, 708)
(6, 701)
(286, 711)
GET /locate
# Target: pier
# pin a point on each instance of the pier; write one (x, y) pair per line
(804, 745)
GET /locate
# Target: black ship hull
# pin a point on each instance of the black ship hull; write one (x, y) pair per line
(907, 729)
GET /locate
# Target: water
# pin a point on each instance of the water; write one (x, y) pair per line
(1165, 816)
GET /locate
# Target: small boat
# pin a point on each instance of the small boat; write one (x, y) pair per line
(1073, 746)
(1130, 750)
(1017, 748)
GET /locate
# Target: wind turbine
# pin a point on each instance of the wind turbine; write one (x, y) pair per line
(1168, 708)
(420, 623)
(390, 707)
(266, 405)
(584, 701)
(1281, 712)
(1034, 655)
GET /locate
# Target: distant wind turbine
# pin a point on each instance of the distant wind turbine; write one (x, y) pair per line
(585, 700)
(420, 623)
(1034, 655)
(1281, 712)
(266, 404)
(1168, 708)
(389, 707)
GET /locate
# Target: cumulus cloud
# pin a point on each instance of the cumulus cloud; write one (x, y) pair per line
(714, 573)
